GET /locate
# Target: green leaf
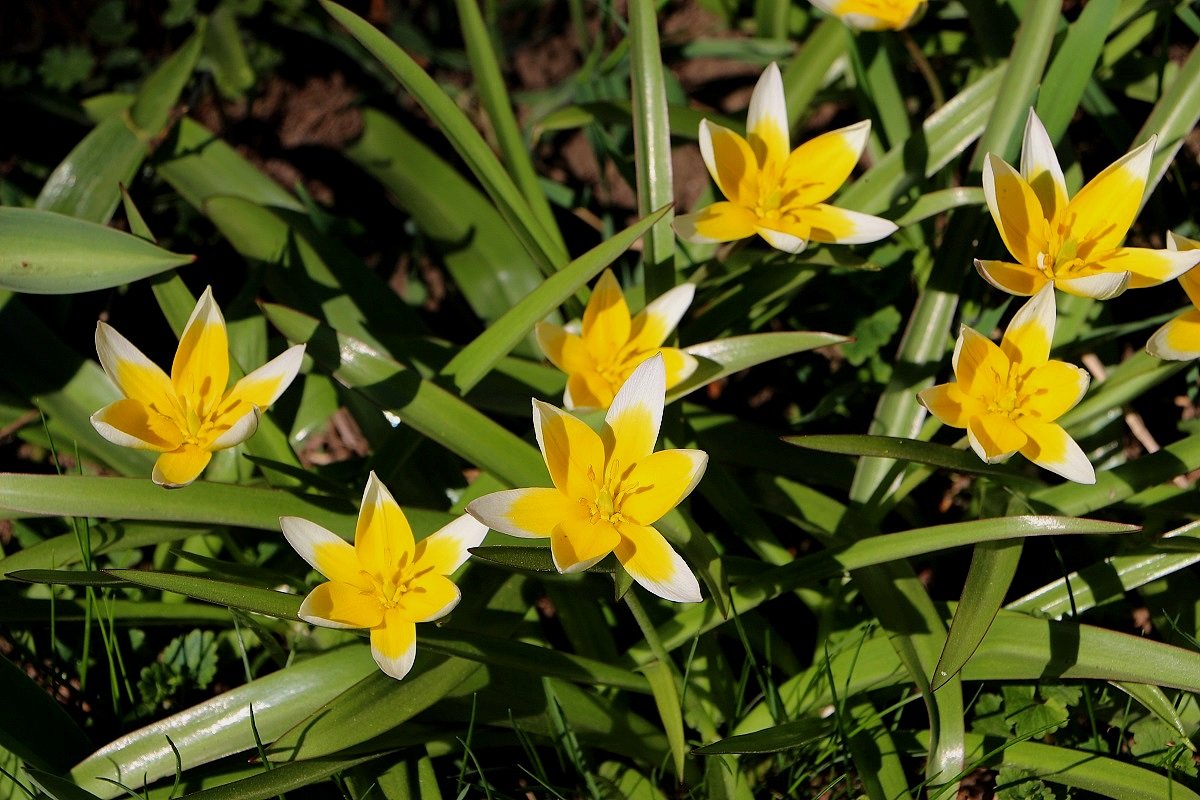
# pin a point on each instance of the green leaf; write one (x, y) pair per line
(666, 697)
(796, 733)
(225, 593)
(279, 701)
(933, 203)
(223, 44)
(42, 252)
(913, 450)
(66, 577)
(423, 405)
(1073, 66)
(55, 741)
(63, 551)
(86, 183)
(805, 72)
(487, 261)
(651, 145)
(283, 778)
(1174, 116)
(477, 359)
(993, 566)
(1156, 701)
(461, 134)
(723, 357)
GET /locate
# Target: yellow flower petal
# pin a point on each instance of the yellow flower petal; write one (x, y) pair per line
(180, 467)
(1041, 170)
(1015, 209)
(326, 552)
(569, 448)
(1098, 285)
(833, 225)
(1103, 210)
(632, 422)
(445, 550)
(130, 424)
(136, 376)
(652, 562)
(1027, 339)
(1053, 388)
(678, 364)
(719, 222)
(947, 402)
(977, 360)
(528, 513)
(429, 597)
(1147, 267)
(339, 605)
(578, 544)
(1012, 278)
(654, 323)
(565, 350)
(224, 431)
(1051, 448)
(731, 162)
(606, 320)
(818, 168)
(200, 371)
(588, 390)
(1178, 340)
(661, 481)
(995, 437)
(767, 120)
(394, 644)
(263, 386)
(383, 539)
(787, 235)
(1190, 280)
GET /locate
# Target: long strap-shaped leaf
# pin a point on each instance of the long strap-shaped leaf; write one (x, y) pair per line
(461, 134)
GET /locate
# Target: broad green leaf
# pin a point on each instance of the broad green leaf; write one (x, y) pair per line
(1111, 578)
(771, 583)
(666, 697)
(223, 44)
(1081, 769)
(806, 71)
(723, 357)
(913, 450)
(86, 183)
(279, 701)
(113, 537)
(1073, 66)
(52, 744)
(772, 740)
(57, 788)
(225, 593)
(489, 82)
(480, 356)
(1155, 701)
(66, 577)
(283, 778)
(42, 252)
(651, 145)
(937, 202)
(423, 405)
(199, 165)
(487, 261)
(1174, 116)
(993, 566)
(461, 134)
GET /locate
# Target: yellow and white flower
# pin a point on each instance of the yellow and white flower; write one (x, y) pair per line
(1074, 244)
(609, 489)
(611, 343)
(872, 15)
(1008, 397)
(190, 415)
(385, 582)
(777, 192)
(1179, 339)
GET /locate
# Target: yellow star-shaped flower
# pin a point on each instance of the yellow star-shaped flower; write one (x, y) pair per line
(190, 415)
(873, 15)
(385, 582)
(777, 192)
(611, 343)
(1074, 244)
(1008, 397)
(1179, 339)
(609, 489)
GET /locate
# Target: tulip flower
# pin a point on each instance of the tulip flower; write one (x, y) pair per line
(1179, 339)
(1073, 244)
(385, 581)
(190, 415)
(872, 15)
(777, 192)
(611, 343)
(1008, 397)
(609, 489)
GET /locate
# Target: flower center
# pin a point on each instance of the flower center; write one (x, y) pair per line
(604, 504)
(1008, 398)
(1062, 251)
(390, 592)
(769, 202)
